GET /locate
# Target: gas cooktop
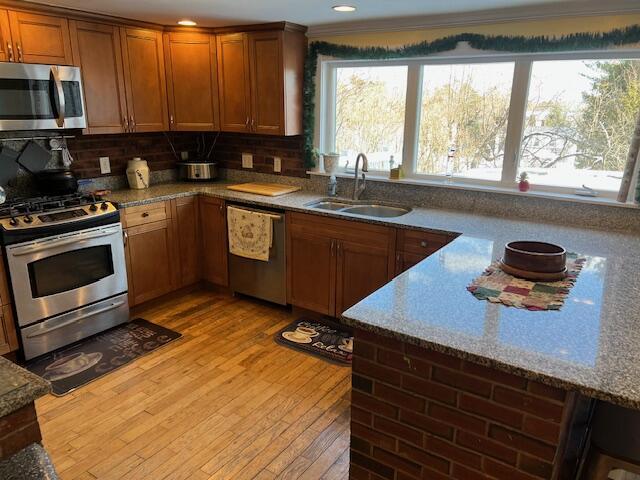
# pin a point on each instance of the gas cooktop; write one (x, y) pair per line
(41, 216)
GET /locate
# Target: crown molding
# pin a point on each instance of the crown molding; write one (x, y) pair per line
(576, 8)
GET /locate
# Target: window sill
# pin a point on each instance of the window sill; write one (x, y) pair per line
(488, 188)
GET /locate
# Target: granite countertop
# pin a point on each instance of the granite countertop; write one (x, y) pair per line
(30, 463)
(591, 345)
(18, 387)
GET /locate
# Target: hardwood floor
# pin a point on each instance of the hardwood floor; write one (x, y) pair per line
(223, 402)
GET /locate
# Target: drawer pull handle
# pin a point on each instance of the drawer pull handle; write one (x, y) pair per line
(10, 50)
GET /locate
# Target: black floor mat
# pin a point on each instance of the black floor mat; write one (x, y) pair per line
(73, 366)
(325, 339)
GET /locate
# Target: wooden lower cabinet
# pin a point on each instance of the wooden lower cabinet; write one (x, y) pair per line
(362, 269)
(186, 223)
(213, 228)
(333, 264)
(311, 272)
(149, 251)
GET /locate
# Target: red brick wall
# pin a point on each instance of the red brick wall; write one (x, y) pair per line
(18, 430)
(153, 147)
(420, 414)
(230, 146)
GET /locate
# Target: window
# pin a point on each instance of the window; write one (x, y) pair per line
(566, 119)
(579, 122)
(370, 106)
(463, 121)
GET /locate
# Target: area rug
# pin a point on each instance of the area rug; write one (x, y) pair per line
(325, 339)
(73, 366)
(497, 286)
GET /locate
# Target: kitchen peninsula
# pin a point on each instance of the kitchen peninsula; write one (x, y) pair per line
(454, 382)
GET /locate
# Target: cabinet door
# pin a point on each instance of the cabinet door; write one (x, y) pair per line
(234, 80)
(192, 83)
(144, 80)
(6, 47)
(406, 260)
(149, 261)
(187, 239)
(213, 225)
(96, 50)
(40, 38)
(267, 83)
(362, 269)
(311, 267)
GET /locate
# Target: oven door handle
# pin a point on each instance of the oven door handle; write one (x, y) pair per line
(113, 306)
(30, 249)
(61, 106)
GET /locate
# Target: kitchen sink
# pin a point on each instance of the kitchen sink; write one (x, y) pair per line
(364, 209)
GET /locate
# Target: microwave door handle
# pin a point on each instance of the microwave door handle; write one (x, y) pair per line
(30, 249)
(60, 107)
(113, 306)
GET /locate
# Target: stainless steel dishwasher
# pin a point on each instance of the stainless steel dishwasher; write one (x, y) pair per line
(264, 280)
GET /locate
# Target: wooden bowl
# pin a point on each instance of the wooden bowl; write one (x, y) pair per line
(536, 258)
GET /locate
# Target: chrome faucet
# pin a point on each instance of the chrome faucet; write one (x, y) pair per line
(357, 188)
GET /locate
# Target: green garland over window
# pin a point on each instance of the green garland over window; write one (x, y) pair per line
(513, 44)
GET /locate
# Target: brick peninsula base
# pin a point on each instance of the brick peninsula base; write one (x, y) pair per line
(421, 414)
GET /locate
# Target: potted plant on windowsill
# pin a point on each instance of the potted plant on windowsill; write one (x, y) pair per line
(523, 182)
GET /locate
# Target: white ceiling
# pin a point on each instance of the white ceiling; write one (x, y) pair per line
(305, 12)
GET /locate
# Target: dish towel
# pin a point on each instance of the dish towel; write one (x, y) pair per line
(250, 233)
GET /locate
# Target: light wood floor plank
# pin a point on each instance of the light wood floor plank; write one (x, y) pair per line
(224, 402)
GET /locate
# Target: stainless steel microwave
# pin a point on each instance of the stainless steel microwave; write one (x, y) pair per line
(40, 97)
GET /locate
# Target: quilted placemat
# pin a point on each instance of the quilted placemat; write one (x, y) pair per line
(497, 286)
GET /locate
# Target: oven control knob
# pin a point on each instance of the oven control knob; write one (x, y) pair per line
(93, 207)
(28, 219)
(14, 221)
(104, 206)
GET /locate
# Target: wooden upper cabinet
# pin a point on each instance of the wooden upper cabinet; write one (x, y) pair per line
(234, 81)
(260, 82)
(5, 38)
(267, 81)
(96, 49)
(192, 83)
(145, 83)
(40, 38)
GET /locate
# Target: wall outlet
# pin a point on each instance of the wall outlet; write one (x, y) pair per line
(184, 155)
(277, 164)
(247, 160)
(105, 165)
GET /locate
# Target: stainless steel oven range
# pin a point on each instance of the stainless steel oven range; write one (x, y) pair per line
(65, 258)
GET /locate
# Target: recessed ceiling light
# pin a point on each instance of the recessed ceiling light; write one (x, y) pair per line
(187, 23)
(344, 8)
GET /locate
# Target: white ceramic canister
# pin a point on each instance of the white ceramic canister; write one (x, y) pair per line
(138, 173)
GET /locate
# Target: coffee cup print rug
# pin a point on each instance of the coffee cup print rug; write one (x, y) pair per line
(326, 339)
(80, 363)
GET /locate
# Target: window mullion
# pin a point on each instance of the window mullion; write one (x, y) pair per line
(516, 121)
(412, 118)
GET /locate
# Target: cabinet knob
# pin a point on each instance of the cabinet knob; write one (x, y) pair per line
(145, 214)
(19, 47)
(132, 122)
(10, 51)
(423, 244)
(171, 119)
(125, 123)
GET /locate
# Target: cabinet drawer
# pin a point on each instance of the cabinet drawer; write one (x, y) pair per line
(346, 230)
(421, 243)
(143, 214)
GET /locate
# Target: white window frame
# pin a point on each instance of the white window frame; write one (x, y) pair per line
(461, 55)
